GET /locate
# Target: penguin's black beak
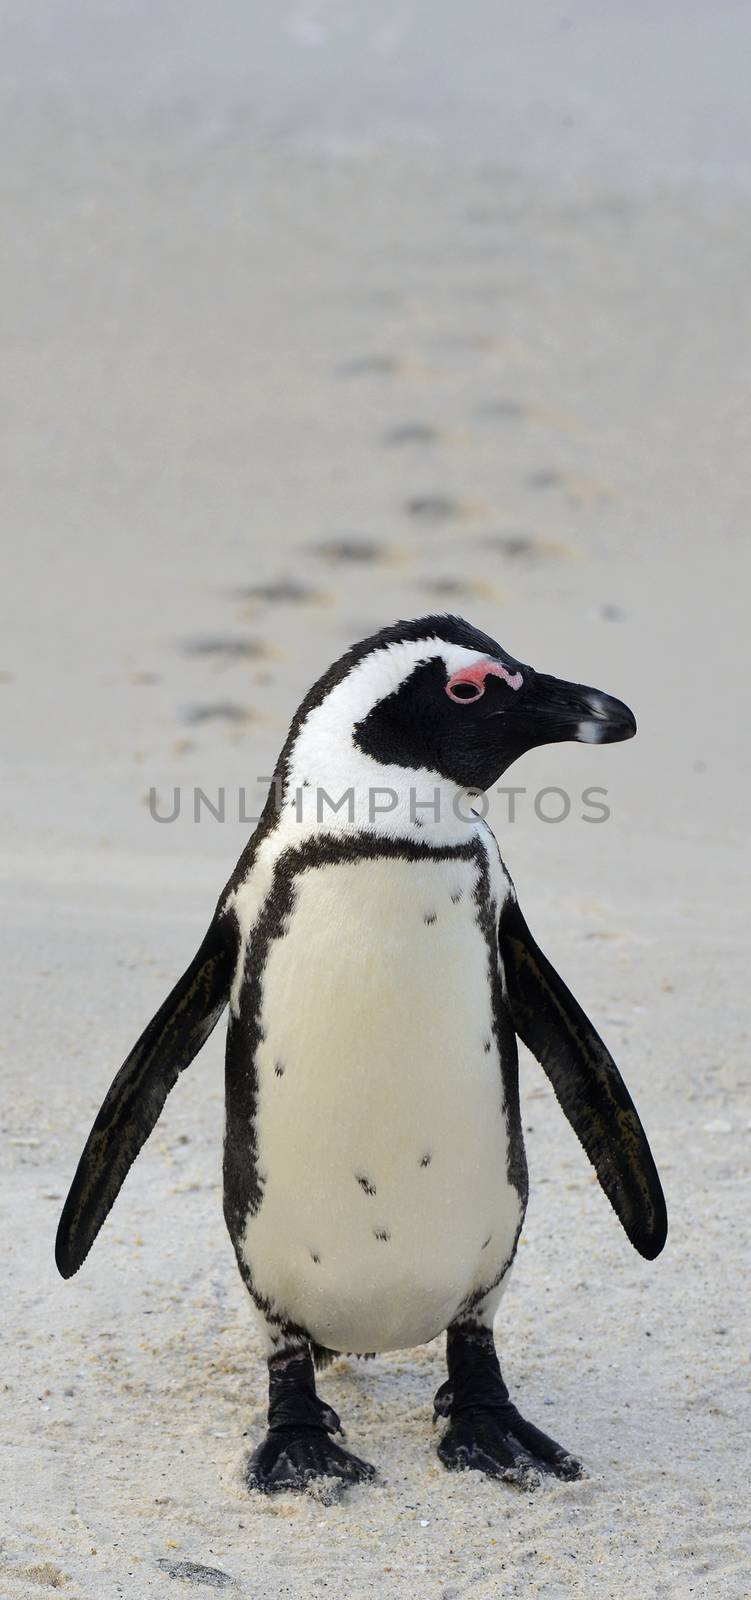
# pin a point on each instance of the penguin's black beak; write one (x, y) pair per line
(556, 710)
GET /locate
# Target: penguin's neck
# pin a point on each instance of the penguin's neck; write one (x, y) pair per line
(328, 784)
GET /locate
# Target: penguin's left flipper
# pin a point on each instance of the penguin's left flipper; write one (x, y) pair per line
(587, 1084)
(138, 1092)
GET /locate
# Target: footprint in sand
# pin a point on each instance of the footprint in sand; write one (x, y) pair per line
(227, 711)
(522, 546)
(382, 366)
(282, 592)
(508, 410)
(512, 410)
(458, 588)
(353, 551)
(433, 508)
(379, 366)
(420, 433)
(579, 490)
(227, 648)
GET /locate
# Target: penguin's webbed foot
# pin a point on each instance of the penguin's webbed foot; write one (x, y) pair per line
(293, 1458)
(503, 1445)
(297, 1450)
(486, 1433)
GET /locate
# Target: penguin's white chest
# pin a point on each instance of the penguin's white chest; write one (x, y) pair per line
(381, 1129)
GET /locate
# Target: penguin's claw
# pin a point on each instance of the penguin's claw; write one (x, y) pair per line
(501, 1444)
(293, 1458)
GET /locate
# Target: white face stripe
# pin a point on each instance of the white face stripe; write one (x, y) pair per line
(374, 678)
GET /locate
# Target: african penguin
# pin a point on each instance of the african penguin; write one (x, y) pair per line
(378, 970)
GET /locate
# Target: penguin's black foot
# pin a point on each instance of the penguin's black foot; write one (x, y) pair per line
(297, 1449)
(293, 1458)
(504, 1446)
(486, 1433)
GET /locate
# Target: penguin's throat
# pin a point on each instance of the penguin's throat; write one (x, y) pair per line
(338, 788)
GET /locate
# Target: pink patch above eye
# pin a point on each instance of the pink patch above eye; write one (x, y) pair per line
(475, 676)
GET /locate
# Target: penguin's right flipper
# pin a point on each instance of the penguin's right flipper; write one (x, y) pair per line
(138, 1092)
(587, 1084)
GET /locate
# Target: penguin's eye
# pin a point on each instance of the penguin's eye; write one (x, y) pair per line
(463, 691)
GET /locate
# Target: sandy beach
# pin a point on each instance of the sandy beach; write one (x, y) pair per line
(276, 374)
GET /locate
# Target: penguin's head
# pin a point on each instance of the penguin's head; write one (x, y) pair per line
(436, 694)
